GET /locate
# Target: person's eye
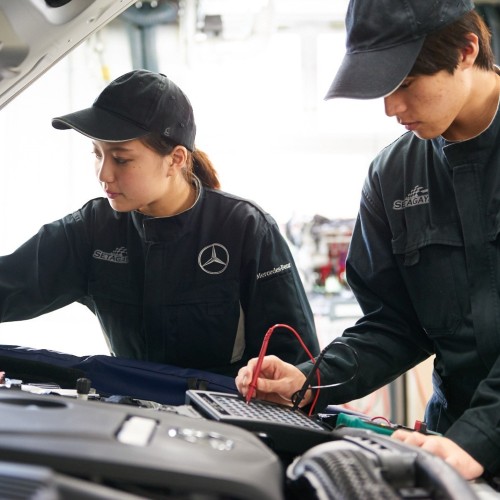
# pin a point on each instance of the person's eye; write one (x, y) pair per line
(97, 154)
(405, 84)
(120, 161)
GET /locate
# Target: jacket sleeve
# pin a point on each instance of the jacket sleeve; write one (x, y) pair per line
(273, 294)
(477, 431)
(46, 273)
(387, 338)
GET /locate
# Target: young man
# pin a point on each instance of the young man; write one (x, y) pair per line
(424, 261)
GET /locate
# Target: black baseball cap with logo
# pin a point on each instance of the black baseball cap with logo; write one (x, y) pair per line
(133, 105)
(384, 39)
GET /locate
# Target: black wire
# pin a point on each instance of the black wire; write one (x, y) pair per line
(356, 367)
(298, 396)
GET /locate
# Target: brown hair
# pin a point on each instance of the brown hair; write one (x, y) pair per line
(441, 49)
(198, 162)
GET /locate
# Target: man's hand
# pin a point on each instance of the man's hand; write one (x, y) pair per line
(445, 448)
(277, 381)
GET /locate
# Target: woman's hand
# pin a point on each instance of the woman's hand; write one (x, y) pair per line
(445, 448)
(277, 381)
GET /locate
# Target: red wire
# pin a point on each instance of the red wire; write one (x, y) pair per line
(380, 418)
(262, 353)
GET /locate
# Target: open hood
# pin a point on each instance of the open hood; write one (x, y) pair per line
(35, 34)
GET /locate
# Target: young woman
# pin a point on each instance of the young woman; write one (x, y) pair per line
(176, 270)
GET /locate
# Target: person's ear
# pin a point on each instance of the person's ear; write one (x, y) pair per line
(469, 53)
(177, 158)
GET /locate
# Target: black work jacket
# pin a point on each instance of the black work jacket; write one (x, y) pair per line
(424, 263)
(199, 289)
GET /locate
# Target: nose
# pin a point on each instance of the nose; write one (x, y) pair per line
(104, 170)
(394, 104)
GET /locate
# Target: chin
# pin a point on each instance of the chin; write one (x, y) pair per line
(428, 135)
(117, 207)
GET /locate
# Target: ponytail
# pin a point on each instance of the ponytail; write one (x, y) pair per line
(202, 167)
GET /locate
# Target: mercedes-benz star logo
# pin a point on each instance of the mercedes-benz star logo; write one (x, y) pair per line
(214, 258)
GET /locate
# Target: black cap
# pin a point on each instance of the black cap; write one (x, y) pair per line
(384, 38)
(134, 105)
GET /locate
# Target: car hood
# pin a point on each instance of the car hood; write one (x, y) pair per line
(35, 34)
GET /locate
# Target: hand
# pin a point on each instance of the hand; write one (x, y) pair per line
(2, 377)
(277, 382)
(445, 448)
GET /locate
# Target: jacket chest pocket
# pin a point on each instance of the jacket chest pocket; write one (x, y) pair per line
(198, 329)
(116, 283)
(433, 270)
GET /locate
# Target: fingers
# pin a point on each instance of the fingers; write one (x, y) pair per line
(245, 375)
(243, 379)
(277, 381)
(445, 448)
(409, 437)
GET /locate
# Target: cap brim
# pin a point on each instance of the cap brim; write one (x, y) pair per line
(374, 74)
(99, 124)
